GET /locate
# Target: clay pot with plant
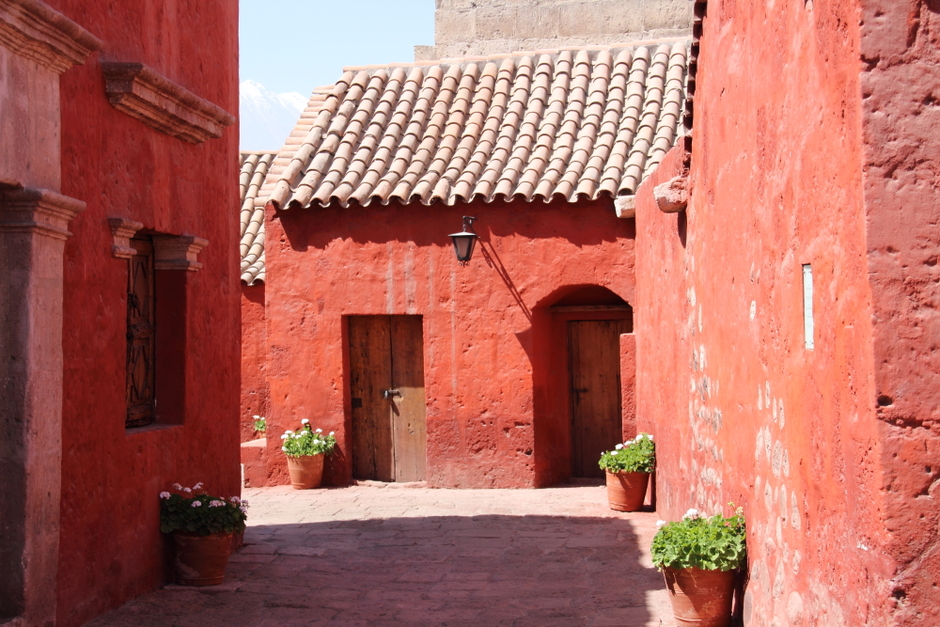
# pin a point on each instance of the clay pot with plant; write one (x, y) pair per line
(700, 559)
(201, 527)
(628, 469)
(305, 450)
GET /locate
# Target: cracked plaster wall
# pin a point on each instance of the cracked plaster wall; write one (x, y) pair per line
(900, 86)
(741, 409)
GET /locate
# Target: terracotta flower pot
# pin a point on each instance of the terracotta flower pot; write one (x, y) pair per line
(200, 560)
(626, 490)
(700, 598)
(305, 472)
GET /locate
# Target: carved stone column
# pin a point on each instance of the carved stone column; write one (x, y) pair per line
(37, 44)
(33, 230)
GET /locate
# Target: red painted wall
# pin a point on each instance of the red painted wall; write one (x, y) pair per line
(496, 415)
(110, 547)
(900, 84)
(741, 409)
(254, 387)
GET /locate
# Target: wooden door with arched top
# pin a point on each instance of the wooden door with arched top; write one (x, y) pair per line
(595, 391)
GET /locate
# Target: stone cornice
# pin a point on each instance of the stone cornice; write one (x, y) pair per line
(122, 230)
(177, 252)
(34, 30)
(158, 102)
(38, 211)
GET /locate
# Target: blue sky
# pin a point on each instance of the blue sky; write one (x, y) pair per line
(296, 45)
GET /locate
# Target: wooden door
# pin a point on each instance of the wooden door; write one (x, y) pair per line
(386, 359)
(594, 366)
(141, 330)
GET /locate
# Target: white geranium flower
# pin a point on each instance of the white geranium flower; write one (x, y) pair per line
(289, 432)
(319, 430)
(234, 499)
(198, 486)
(660, 524)
(197, 504)
(284, 448)
(177, 486)
(164, 495)
(691, 514)
(284, 437)
(613, 452)
(305, 422)
(216, 504)
(649, 437)
(187, 490)
(332, 433)
(619, 446)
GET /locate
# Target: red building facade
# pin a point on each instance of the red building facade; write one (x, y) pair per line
(786, 319)
(131, 381)
(427, 370)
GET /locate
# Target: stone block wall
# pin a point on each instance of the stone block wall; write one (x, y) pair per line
(470, 28)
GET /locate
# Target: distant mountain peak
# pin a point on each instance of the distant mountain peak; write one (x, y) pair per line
(266, 117)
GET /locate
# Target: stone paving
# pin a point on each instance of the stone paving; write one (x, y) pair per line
(386, 554)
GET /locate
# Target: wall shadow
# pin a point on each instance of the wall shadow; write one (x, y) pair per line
(453, 570)
(423, 571)
(585, 223)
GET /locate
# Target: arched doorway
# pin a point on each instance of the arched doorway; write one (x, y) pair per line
(589, 396)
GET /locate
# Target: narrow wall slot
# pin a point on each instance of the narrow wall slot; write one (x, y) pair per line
(808, 306)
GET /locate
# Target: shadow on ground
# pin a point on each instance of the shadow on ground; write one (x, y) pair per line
(517, 571)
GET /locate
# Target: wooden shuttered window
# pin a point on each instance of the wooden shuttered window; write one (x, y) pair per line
(141, 334)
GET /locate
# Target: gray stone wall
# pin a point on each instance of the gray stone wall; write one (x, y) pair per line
(484, 27)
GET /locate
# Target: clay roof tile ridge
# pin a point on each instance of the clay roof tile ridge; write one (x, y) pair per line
(586, 143)
(515, 90)
(572, 123)
(646, 126)
(630, 112)
(459, 108)
(669, 122)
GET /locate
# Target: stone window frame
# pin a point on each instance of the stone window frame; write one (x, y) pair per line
(170, 252)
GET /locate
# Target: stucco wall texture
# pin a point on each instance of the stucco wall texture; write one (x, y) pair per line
(811, 146)
(900, 86)
(111, 548)
(495, 383)
(255, 399)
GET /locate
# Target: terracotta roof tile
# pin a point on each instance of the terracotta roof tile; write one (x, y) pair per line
(254, 168)
(568, 123)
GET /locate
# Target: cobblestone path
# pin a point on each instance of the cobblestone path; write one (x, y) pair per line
(386, 554)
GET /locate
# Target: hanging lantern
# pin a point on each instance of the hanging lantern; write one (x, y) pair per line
(464, 241)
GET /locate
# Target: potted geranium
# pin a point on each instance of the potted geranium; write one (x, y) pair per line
(201, 526)
(305, 450)
(699, 558)
(628, 469)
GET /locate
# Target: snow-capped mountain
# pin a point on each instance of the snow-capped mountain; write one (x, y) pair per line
(266, 118)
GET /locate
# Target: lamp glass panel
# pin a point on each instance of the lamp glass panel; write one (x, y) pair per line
(463, 246)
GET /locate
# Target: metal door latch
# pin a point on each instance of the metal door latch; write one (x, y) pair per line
(387, 394)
